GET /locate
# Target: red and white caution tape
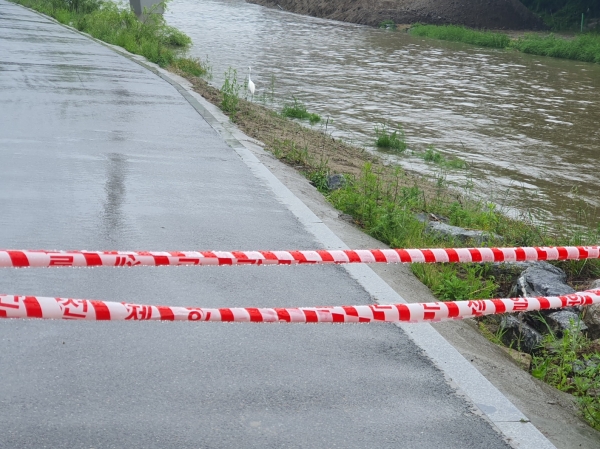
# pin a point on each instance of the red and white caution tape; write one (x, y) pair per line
(83, 309)
(20, 258)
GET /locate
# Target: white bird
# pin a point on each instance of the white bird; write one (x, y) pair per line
(251, 86)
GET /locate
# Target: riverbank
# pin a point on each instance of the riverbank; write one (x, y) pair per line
(387, 203)
(582, 47)
(506, 14)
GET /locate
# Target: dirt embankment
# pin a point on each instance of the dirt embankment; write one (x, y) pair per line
(489, 14)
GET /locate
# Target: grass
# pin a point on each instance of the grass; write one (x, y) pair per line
(117, 25)
(458, 33)
(584, 47)
(231, 93)
(434, 156)
(572, 364)
(298, 110)
(393, 141)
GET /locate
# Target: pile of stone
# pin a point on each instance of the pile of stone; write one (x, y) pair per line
(525, 331)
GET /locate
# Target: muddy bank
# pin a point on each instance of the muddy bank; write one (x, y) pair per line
(491, 14)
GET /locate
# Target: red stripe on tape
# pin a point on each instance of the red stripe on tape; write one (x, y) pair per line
(350, 311)
(498, 255)
(226, 315)
(403, 312)
(325, 256)
(102, 311)
(541, 254)
(255, 315)
(404, 256)
(563, 253)
(18, 258)
(352, 256)
(283, 315)
(33, 308)
(544, 303)
(311, 316)
(500, 307)
(161, 260)
(453, 310)
(166, 313)
(452, 255)
(429, 256)
(299, 257)
(379, 256)
(475, 255)
(92, 259)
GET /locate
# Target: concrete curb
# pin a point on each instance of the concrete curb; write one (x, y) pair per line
(463, 376)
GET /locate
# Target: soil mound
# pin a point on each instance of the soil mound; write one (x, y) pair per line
(490, 14)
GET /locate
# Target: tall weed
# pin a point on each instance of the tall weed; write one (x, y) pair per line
(118, 25)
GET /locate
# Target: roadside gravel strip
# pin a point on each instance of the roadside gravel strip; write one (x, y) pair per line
(353, 386)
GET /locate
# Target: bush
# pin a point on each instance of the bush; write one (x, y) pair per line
(298, 110)
(394, 141)
(118, 25)
(462, 34)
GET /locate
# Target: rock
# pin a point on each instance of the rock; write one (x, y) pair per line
(460, 234)
(422, 217)
(591, 317)
(595, 285)
(519, 335)
(513, 269)
(346, 217)
(541, 279)
(564, 319)
(425, 217)
(335, 182)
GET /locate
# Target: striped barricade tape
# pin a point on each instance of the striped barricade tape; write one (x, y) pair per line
(26, 258)
(83, 309)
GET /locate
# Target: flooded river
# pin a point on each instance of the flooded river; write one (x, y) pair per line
(528, 126)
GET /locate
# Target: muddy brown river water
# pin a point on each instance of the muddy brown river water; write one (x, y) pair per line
(528, 126)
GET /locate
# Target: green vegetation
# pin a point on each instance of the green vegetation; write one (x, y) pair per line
(388, 25)
(231, 92)
(117, 25)
(571, 363)
(298, 110)
(461, 34)
(382, 204)
(434, 156)
(584, 47)
(561, 15)
(392, 141)
(384, 201)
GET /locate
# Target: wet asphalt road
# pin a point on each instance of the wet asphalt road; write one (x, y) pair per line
(96, 152)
